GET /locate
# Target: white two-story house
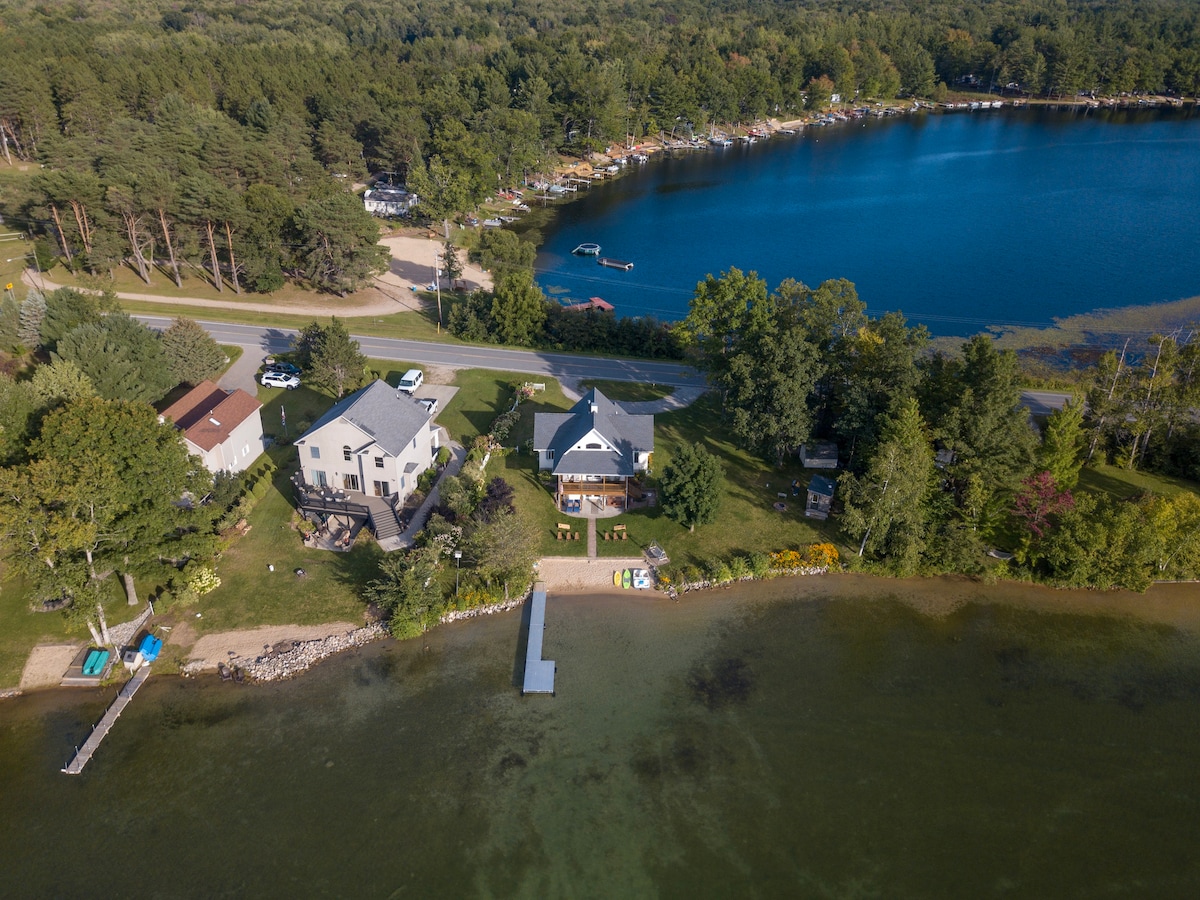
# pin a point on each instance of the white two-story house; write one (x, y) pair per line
(376, 442)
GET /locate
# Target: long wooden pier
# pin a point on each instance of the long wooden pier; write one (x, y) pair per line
(101, 729)
(539, 673)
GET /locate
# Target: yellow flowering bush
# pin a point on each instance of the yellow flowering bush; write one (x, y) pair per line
(822, 556)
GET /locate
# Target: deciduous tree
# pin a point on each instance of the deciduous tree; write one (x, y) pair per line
(885, 508)
(408, 591)
(691, 484)
(503, 549)
(101, 495)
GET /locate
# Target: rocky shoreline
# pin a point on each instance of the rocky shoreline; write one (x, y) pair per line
(275, 666)
(278, 665)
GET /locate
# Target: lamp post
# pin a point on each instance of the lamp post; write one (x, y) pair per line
(457, 567)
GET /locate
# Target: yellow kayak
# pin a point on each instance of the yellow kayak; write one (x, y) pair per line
(616, 579)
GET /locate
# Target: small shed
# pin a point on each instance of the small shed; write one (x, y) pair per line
(819, 455)
(820, 497)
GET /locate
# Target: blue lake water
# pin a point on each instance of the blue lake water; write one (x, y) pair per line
(959, 220)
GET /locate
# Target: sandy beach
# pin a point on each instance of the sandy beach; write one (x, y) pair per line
(572, 575)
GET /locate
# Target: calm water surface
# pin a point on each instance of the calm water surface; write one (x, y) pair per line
(814, 739)
(959, 220)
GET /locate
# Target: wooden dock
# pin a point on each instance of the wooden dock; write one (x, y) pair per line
(101, 729)
(539, 673)
(610, 263)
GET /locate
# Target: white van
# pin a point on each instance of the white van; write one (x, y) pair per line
(411, 380)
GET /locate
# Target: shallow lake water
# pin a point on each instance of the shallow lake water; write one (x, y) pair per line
(841, 738)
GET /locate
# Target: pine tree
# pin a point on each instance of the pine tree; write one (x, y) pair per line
(333, 358)
(33, 314)
(191, 352)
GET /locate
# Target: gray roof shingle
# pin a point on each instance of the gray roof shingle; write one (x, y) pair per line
(391, 417)
(561, 431)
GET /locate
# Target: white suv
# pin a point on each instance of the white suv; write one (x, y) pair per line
(411, 380)
(280, 380)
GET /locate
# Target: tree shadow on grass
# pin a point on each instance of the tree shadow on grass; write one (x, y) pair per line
(359, 566)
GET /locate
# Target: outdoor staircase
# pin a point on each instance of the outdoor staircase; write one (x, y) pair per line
(384, 524)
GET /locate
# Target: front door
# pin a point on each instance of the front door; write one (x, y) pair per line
(350, 482)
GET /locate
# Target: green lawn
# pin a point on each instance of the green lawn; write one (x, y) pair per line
(747, 520)
(751, 489)
(21, 628)
(251, 594)
(1123, 484)
(629, 391)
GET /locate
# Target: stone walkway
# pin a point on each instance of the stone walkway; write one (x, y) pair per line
(122, 635)
(591, 536)
(404, 540)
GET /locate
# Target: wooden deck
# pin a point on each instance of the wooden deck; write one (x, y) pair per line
(104, 726)
(539, 673)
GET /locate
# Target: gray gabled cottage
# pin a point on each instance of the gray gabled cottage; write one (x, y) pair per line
(593, 451)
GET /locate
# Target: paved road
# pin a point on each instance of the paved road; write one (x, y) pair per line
(260, 341)
(1042, 403)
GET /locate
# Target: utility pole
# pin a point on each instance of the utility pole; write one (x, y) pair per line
(437, 281)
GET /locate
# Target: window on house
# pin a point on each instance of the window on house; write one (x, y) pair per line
(346, 454)
(549, 454)
(245, 451)
(403, 482)
(379, 462)
(315, 452)
(594, 447)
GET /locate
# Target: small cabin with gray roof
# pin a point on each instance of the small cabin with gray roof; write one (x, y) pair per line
(372, 444)
(593, 451)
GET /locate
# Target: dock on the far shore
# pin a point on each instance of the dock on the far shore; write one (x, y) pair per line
(100, 731)
(539, 673)
(610, 263)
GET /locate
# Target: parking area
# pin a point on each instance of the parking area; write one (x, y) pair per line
(443, 393)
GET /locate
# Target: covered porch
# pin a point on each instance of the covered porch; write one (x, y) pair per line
(593, 497)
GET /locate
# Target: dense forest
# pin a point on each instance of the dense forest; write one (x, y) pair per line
(941, 459)
(224, 135)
